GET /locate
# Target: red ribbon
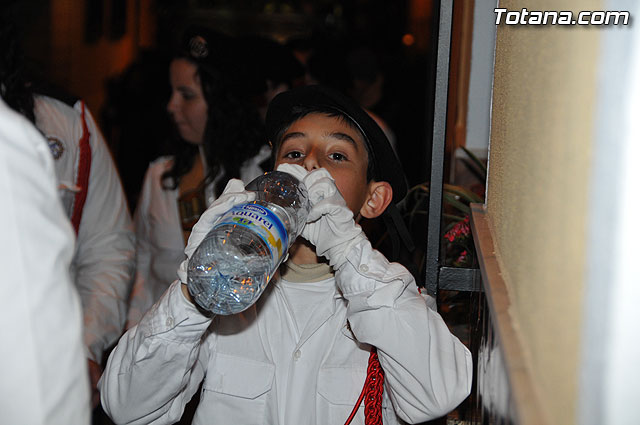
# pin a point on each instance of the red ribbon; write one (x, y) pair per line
(84, 169)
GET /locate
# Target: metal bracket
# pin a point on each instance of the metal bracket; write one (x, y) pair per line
(438, 277)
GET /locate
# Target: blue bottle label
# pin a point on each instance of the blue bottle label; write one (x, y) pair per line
(261, 221)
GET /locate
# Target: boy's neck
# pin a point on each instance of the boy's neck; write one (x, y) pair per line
(302, 252)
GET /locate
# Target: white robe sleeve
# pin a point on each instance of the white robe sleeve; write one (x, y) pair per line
(428, 371)
(155, 369)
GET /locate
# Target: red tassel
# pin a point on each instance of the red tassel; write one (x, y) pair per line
(371, 392)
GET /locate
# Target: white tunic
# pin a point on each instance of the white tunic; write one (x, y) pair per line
(42, 368)
(104, 259)
(255, 365)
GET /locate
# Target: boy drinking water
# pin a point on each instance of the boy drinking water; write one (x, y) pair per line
(300, 355)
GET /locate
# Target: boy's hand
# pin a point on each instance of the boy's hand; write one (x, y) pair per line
(330, 226)
(233, 195)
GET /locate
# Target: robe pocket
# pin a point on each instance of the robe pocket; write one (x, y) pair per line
(339, 389)
(236, 390)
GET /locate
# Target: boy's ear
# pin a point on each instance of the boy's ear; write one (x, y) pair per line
(379, 197)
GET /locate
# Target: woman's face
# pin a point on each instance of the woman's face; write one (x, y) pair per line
(187, 105)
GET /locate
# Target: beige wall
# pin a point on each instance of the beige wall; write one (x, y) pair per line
(541, 136)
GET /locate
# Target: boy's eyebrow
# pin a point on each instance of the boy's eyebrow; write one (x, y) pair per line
(336, 135)
(293, 135)
(343, 136)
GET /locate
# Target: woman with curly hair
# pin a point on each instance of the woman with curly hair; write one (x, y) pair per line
(220, 136)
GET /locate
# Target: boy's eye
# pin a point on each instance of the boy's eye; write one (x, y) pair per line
(337, 157)
(293, 155)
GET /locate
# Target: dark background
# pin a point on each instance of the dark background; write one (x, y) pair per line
(112, 53)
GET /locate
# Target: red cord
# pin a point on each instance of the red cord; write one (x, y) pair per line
(371, 393)
(84, 168)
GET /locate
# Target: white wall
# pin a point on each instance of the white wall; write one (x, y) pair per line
(481, 77)
(610, 366)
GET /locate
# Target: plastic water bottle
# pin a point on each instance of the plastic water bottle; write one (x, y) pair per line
(233, 264)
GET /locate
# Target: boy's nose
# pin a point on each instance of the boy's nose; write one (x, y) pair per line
(311, 162)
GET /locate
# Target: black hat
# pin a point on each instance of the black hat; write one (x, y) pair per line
(386, 166)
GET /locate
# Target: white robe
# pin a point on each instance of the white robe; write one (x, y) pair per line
(104, 259)
(43, 373)
(258, 369)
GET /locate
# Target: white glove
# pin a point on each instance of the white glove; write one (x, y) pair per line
(232, 195)
(295, 170)
(330, 226)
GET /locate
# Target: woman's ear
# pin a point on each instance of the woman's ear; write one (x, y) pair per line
(379, 197)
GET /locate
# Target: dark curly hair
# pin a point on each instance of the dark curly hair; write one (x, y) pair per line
(234, 131)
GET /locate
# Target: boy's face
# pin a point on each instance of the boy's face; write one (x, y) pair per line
(320, 141)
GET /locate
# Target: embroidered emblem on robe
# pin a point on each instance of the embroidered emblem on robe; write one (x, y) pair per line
(56, 146)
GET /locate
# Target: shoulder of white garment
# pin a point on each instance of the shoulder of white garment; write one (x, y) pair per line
(158, 167)
(61, 126)
(251, 167)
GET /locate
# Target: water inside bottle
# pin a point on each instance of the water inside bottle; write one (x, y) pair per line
(230, 269)
(230, 277)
